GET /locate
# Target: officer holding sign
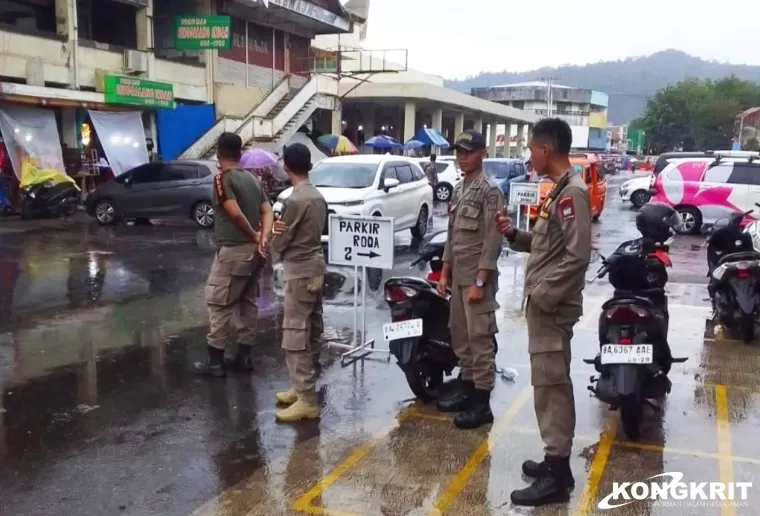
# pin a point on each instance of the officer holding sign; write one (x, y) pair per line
(473, 247)
(560, 252)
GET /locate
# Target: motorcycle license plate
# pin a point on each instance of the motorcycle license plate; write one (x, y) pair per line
(402, 329)
(627, 354)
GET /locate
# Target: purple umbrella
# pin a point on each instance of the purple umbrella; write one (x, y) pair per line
(258, 158)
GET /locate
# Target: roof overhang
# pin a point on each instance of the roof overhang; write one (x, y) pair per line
(453, 99)
(299, 14)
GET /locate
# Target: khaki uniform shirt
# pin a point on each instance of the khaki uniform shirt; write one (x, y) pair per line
(242, 186)
(473, 242)
(559, 246)
(300, 247)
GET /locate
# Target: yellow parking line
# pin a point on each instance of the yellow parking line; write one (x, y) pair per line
(724, 445)
(464, 475)
(598, 465)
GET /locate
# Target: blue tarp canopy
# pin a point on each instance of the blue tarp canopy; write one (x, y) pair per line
(431, 137)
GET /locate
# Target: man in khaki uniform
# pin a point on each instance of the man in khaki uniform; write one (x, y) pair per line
(297, 239)
(560, 252)
(242, 220)
(470, 258)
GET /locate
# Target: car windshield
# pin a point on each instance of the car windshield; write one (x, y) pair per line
(497, 169)
(343, 175)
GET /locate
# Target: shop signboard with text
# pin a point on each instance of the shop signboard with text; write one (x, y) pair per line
(202, 32)
(138, 92)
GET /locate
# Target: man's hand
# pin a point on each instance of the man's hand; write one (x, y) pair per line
(263, 245)
(475, 294)
(504, 223)
(256, 237)
(279, 227)
(443, 284)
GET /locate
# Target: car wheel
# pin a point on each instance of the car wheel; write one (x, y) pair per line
(442, 192)
(203, 214)
(639, 198)
(105, 212)
(692, 220)
(419, 230)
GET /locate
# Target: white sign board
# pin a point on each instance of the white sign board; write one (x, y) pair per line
(355, 240)
(524, 193)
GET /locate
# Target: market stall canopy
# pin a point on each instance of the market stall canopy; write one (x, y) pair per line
(431, 137)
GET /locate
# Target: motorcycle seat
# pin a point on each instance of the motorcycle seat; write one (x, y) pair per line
(629, 300)
(738, 257)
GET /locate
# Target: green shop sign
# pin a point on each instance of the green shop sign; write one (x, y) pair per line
(137, 92)
(202, 33)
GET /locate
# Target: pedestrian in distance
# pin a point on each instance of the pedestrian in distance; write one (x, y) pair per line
(298, 240)
(555, 275)
(431, 173)
(470, 265)
(243, 219)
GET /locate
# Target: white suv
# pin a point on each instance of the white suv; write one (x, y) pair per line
(448, 176)
(373, 185)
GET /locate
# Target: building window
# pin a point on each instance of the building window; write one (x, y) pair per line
(164, 15)
(519, 104)
(107, 21)
(38, 16)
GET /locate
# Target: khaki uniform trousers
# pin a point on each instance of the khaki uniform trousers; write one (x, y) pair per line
(231, 291)
(472, 330)
(549, 338)
(302, 327)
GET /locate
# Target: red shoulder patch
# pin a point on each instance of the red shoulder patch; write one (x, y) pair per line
(566, 208)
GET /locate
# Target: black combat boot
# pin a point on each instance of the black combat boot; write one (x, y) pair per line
(537, 470)
(551, 487)
(242, 361)
(479, 412)
(213, 366)
(459, 400)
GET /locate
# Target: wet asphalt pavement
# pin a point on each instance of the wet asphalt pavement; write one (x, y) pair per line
(99, 415)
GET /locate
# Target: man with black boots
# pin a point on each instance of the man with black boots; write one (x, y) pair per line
(555, 275)
(470, 262)
(243, 219)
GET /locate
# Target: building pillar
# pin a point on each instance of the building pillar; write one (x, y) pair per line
(458, 124)
(478, 126)
(66, 25)
(368, 121)
(520, 140)
(492, 139)
(410, 120)
(336, 127)
(144, 29)
(438, 119)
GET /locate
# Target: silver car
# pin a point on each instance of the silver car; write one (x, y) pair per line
(157, 189)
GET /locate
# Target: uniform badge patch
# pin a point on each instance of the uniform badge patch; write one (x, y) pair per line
(566, 208)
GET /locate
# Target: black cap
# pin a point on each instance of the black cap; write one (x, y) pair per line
(297, 158)
(470, 140)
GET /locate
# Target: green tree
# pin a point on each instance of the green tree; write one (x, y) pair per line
(697, 114)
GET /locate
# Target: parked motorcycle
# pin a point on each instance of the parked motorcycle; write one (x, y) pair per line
(635, 358)
(52, 194)
(733, 265)
(419, 333)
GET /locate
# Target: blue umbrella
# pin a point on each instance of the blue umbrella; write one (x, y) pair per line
(413, 144)
(382, 142)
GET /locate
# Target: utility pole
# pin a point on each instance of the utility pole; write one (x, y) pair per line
(549, 94)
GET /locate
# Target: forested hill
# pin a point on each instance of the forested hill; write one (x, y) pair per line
(629, 82)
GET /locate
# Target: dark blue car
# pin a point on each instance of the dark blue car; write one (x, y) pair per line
(505, 171)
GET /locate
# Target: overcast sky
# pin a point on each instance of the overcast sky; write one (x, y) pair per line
(457, 38)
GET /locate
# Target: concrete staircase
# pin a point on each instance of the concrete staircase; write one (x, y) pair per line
(274, 120)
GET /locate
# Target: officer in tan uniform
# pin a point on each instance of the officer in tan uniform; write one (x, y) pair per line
(473, 247)
(297, 240)
(242, 220)
(560, 252)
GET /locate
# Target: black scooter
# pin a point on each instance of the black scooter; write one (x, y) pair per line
(734, 271)
(49, 200)
(634, 357)
(417, 310)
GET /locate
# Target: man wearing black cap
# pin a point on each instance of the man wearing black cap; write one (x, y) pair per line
(297, 240)
(243, 219)
(473, 247)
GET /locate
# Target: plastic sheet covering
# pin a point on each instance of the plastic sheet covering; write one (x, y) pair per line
(122, 137)
(34, 146)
